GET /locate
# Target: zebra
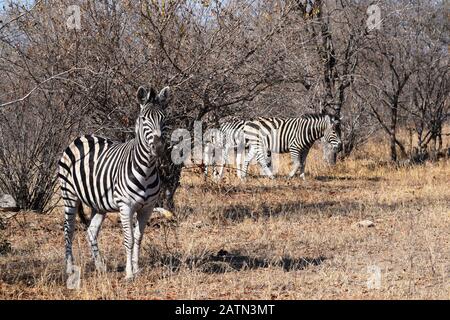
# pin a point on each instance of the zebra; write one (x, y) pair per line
(293, 135)
(231, 136)
(110, 176)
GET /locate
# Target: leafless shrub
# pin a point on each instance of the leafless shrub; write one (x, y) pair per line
(223, 58)
(5, 245)
(402, 72)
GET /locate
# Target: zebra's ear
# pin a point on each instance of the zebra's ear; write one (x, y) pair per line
(337, 120)
(164, 96)
(151, 97)
(141, 95)
(145, 96)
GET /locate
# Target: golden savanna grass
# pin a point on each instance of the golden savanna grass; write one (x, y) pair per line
(262, 239)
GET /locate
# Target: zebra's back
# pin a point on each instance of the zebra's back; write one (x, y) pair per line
(274, 134)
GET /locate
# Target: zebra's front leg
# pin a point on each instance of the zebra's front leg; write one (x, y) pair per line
(218, 174)
(303, 156)
(142, 218)
(295, 166)
(251, 154)
(240, 154)
(92, 235)
(206, 160)
(126, 217)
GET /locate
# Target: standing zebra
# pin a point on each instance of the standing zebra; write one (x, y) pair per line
(231, 136)
(293, 135)
(109, 176)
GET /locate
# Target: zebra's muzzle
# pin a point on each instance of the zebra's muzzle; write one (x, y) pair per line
(337, 147)
(157, 146)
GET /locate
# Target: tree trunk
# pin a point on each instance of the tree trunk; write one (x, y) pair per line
(393, 130)
(393, 148)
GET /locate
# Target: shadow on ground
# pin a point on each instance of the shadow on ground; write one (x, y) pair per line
(31, 272)
(238, 213)
(346, 178)
(224, 261)
(286, 183)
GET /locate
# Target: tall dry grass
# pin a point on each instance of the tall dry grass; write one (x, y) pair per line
(262, 239)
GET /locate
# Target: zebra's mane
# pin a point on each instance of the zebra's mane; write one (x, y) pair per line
(231, 119)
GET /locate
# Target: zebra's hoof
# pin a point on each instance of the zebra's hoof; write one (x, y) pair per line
(129, 277)
(73, 278)
(100, 266)
(137, 272)
(70, 269)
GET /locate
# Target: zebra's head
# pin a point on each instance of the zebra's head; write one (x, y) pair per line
(150, 123)
(332, 133)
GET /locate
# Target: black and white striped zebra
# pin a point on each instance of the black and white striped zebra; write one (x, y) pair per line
(109, 176)
(231, 138)
(293, 135)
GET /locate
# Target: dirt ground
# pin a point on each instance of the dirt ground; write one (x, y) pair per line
(262, 239)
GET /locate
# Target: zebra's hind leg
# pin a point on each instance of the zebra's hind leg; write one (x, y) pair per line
(71, 206)
(126, 217)
(142, 218)
(92, 234)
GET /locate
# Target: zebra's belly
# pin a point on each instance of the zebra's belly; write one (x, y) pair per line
(137, 201)
(99, 199)
(111, 201)
(278, 149)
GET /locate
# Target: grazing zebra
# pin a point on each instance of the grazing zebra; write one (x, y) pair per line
(110, 176)
(293, 135)
(231, 135)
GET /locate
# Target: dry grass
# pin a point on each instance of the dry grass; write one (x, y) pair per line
(282, 239)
